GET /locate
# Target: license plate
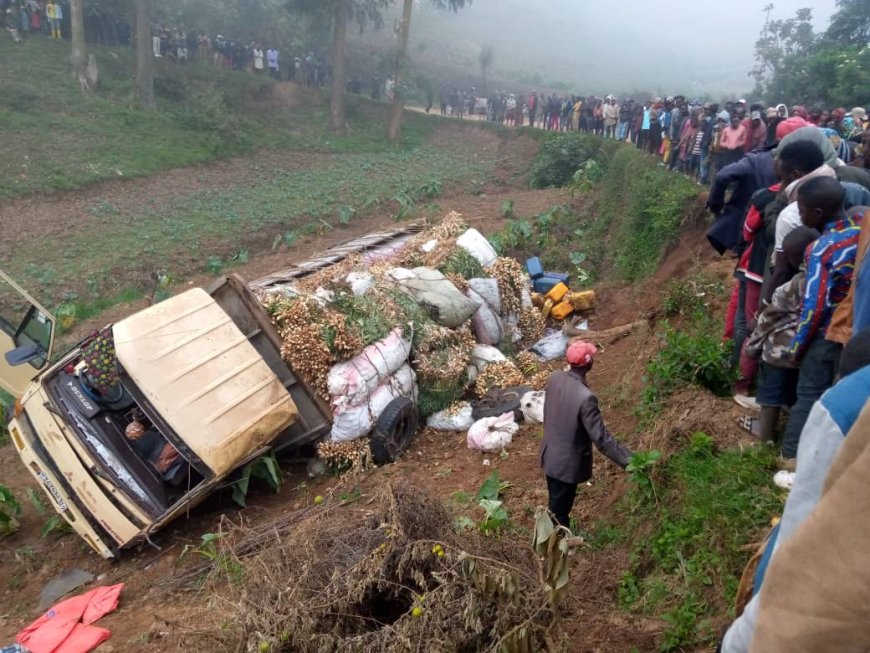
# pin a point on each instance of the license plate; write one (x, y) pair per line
(53, 490)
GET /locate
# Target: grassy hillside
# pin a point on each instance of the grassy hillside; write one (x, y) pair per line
(57, 137)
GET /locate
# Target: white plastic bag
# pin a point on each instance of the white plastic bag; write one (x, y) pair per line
(360, 282)
(483, 355)
(492, 433)
(532, 406)
(429, 245)
(485, 323)
(354, 422)
(352, 382)
(452, 420)
(431, 288)
(551, 346)
(474, 242)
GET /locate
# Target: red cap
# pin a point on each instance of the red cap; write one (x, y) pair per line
(581, 353)
(789, 125)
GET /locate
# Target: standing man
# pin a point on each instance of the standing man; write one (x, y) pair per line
(611, 117)
(533, 107)
(272, 62)
(572, 422)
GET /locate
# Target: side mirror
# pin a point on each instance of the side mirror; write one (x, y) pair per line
(24, 354)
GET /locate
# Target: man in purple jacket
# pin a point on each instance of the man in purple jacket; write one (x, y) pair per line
(572, 422)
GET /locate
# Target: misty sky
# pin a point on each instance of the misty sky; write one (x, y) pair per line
(687, 46)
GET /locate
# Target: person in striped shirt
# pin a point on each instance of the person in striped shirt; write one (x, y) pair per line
(830, 263)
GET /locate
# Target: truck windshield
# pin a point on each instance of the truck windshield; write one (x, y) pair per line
(23, 322)
(125, 450)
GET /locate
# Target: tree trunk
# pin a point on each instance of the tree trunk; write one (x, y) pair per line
(401, 62)
(144, 54)
(79, 56)
(336, 102)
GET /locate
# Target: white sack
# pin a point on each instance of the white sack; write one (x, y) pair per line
(483, 355)
(432, 289)
(485, 323)
(474, 242)
(492, 433)
(488, 290)
(551, 347)
(444, 420)
(532, 406)
(354, 422)
(360, 282)
(352, 382)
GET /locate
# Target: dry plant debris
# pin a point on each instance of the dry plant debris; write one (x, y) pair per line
(498, 375)
(389, 575)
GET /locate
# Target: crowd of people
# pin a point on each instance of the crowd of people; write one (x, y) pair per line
(694, 137)
(24, 17)
(790, 193)
(178, 44)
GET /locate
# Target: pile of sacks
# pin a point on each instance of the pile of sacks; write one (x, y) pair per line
(487, 308)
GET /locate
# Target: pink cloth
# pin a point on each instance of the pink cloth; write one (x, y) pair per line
(733, 138)
(66, 627)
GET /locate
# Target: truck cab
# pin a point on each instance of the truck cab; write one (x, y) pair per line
(144, 419)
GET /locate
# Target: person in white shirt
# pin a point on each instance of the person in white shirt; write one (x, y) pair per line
(258, 59)
(272, 63)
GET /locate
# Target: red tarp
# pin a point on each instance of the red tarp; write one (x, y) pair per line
(66, 627)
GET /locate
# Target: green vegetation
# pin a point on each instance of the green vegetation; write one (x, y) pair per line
(639, 211)
(625, 215)
(175, 232)
(60, 138)
(562, 155)
(266, 469)
(689, 297)
(828, 69)
(693, 355)
(495, 517)
(54, 523)
(10, 508)
(689, 519)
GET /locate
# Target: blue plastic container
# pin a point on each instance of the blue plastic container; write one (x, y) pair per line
(544, 284)
(535, 268)
(561, 276)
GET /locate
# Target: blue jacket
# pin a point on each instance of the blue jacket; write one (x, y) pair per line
(749, 174)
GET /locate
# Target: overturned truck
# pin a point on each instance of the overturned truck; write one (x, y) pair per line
(145, 419)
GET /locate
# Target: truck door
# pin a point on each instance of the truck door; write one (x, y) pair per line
(26, 337)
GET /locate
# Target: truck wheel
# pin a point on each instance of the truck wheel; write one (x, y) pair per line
(395, 429)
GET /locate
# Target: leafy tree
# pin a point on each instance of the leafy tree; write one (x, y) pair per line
(401, 62)
(850, 25)
(780, 42)
(829, 69)
(485, 58)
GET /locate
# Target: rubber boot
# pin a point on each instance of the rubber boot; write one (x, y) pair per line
(767, 421)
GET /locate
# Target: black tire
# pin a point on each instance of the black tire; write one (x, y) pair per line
(499, 401)
(394, 431)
